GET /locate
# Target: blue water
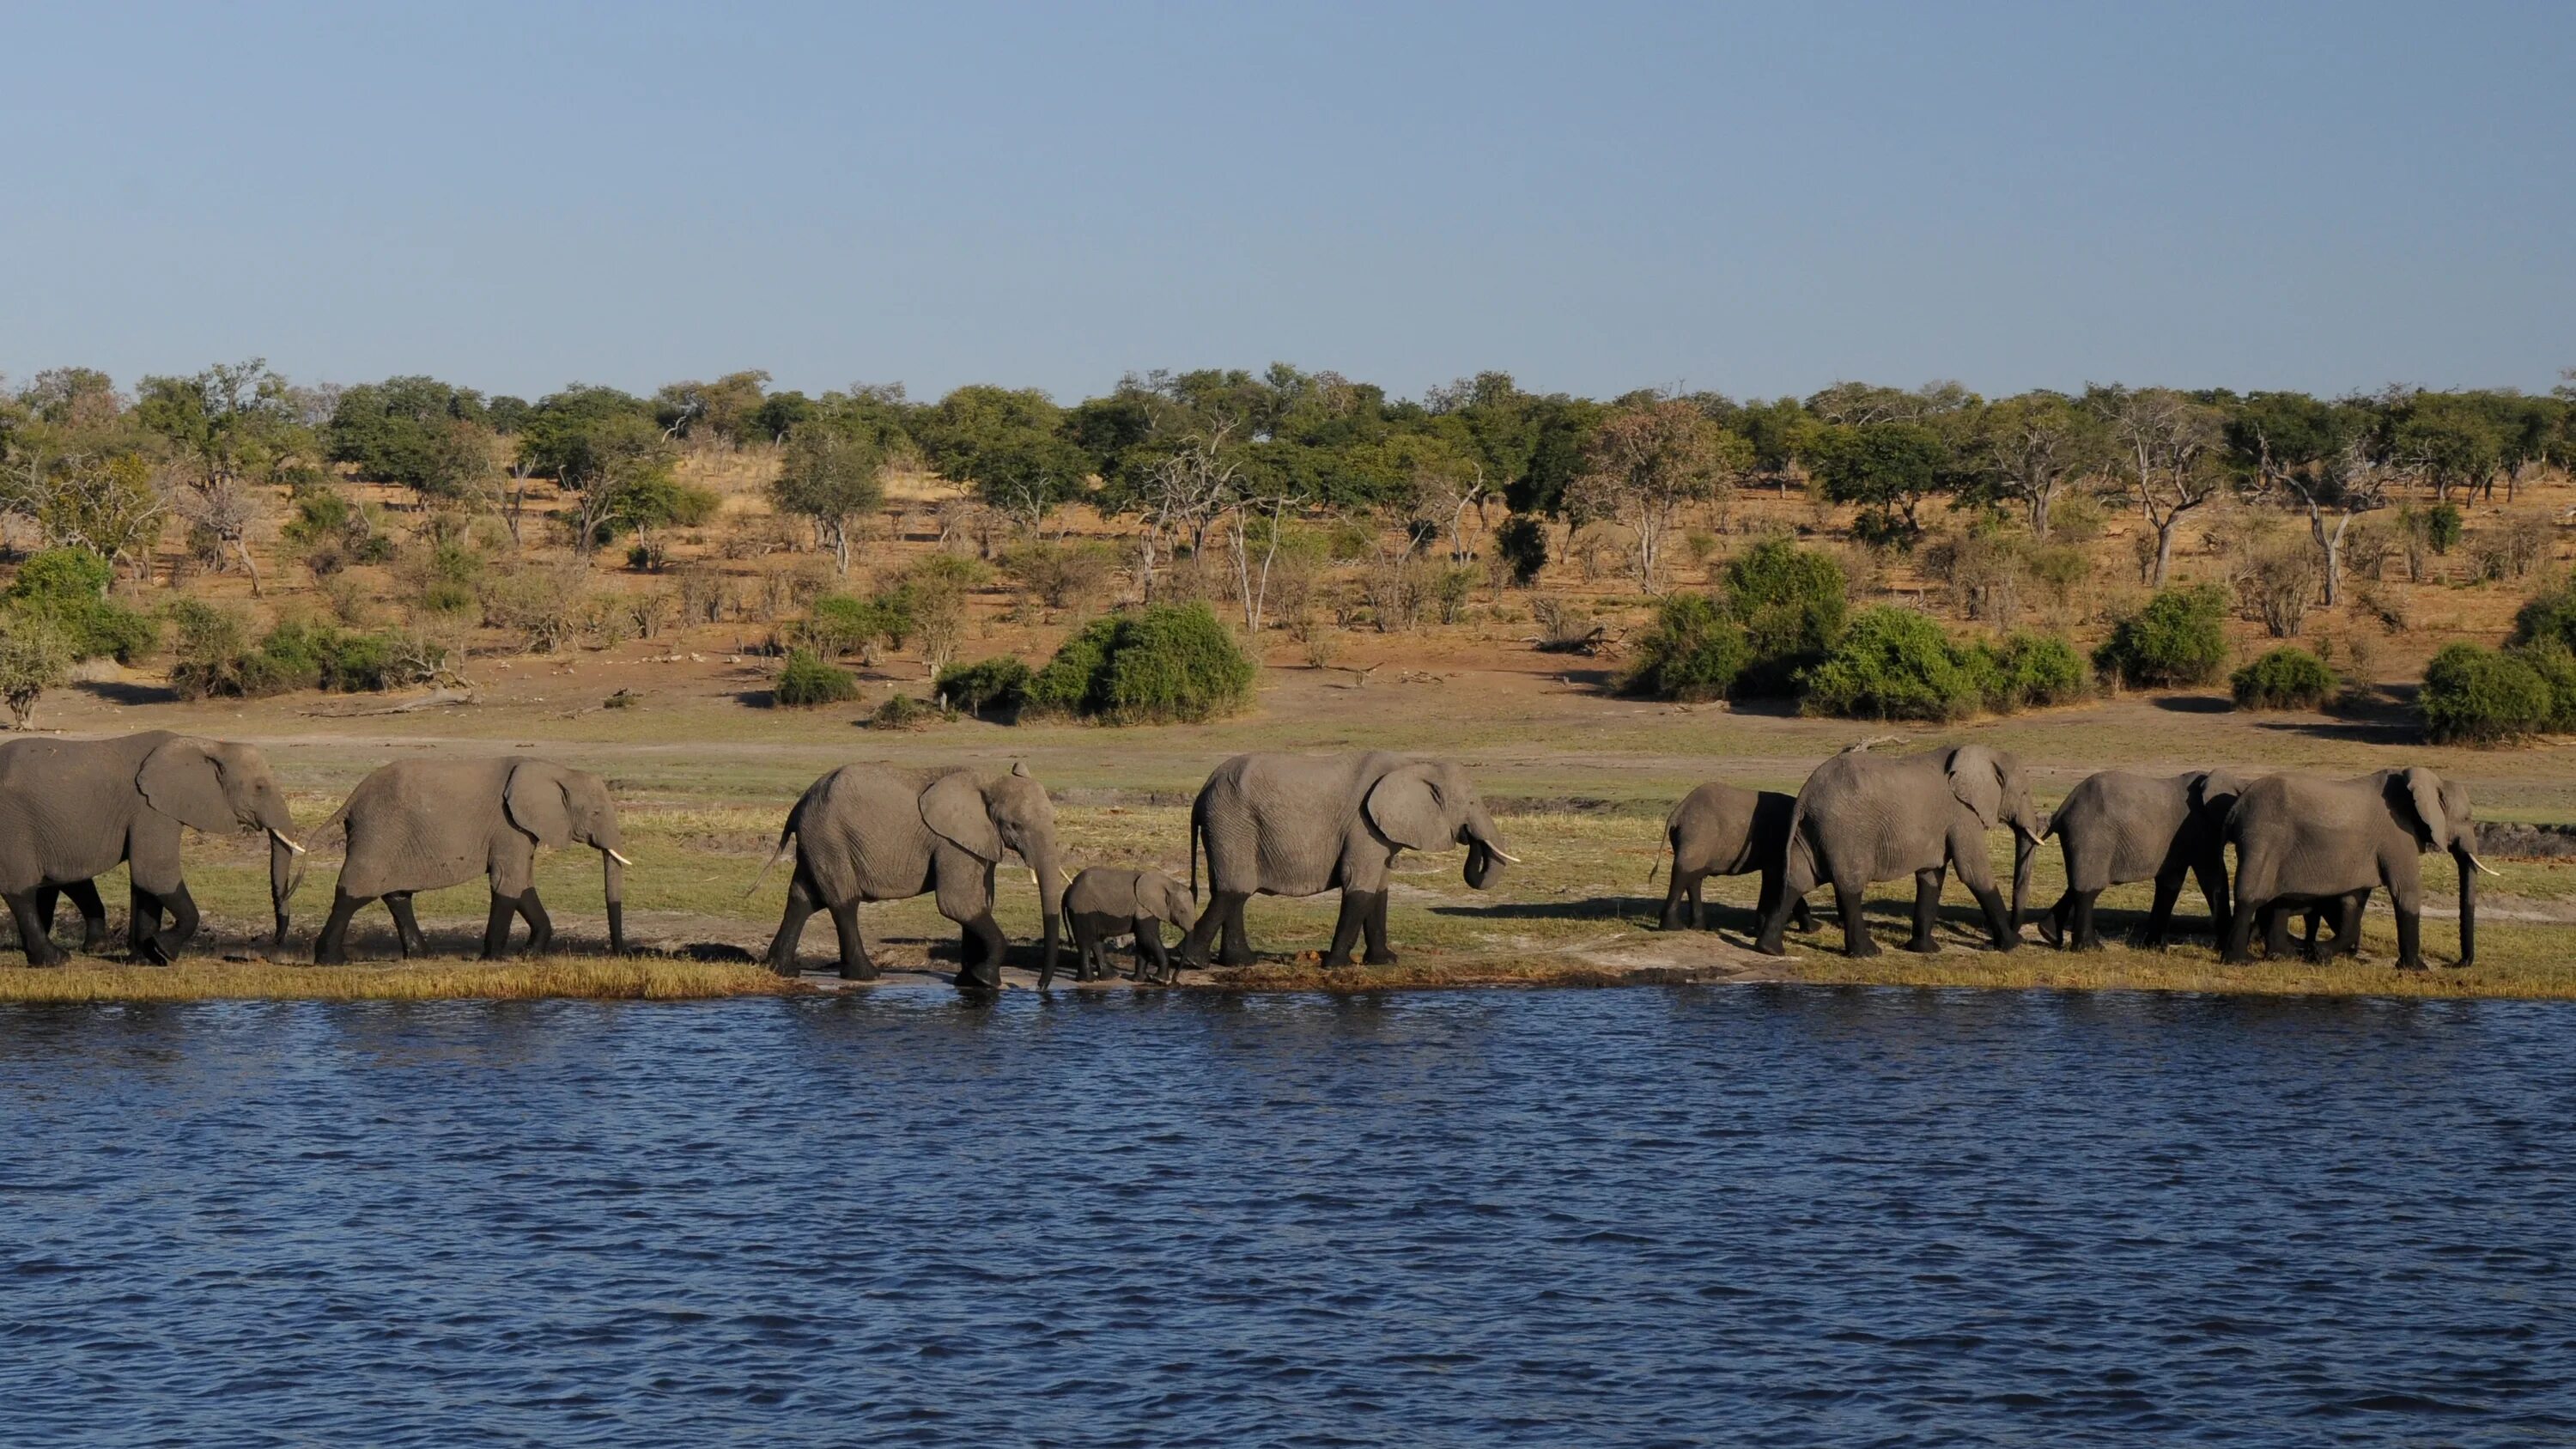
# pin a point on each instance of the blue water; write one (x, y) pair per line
(1697, 1216)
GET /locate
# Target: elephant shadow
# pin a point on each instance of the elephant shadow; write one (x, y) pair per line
(1590, 908)
(118, 691)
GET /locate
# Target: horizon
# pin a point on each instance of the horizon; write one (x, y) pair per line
(1756, 202)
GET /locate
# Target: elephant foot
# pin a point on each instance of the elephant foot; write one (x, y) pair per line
(52, 955)
(858, 973)
(2410, 965)
(1923, 948)
(1859, 950)
(968, 979)
(790, 969)
(1378, 958)
(2006, 944)
(150, 950)
(2054, 938)
(1769, 946)
(1332, 962)
(1244, 958)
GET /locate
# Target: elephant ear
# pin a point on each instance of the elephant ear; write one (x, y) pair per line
(953, 807)
(2424, 789)
(535, 799)
(183, 782)
(1977, 780)
(2216, 785)
(1405, 807)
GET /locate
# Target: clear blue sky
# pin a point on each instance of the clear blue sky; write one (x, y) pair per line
(1757, 199)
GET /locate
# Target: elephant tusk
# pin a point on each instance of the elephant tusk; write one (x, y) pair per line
(289, 844)
(613, 855)
(2480, 864)
(1507, 856)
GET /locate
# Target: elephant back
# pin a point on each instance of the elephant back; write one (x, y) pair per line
(860, 835)
(67, 806)
(1278, 823)
(423, 825)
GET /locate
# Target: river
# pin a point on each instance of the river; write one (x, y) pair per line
(1650, 1216)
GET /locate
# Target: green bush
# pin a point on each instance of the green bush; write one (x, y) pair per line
(2178, 638)
(1694, 652)
(2442, 527)
(2480, 696)
(34, 657)
(1170, 662)
(1791, 604)
(2549, 614)
(903, 712)
(2285, 678)
(1893, 663)
(67, 588)
(2556, 666)
(1000, 685)
(215, 656)
(2028, 670)
(1522, 541)
(804, 681)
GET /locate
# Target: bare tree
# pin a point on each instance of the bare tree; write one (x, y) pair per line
(2351, 482)
(1644, 464)
(2037, 446)
(229, 508)
(1183, 494)
(2165, 450)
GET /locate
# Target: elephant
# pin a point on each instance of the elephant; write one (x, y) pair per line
(2120, 826)
(419, 825)
(2318, 841)
(1103, 904)
(1864, 818)
(1718, 829)
(1299, 825)
(882, 833)
(70, 810)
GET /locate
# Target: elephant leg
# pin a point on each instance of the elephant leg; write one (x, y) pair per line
(1848, 901)
(1381, 954)
(496, 926)
(93, 912)
(2237, 949)
(41, 951)
(791, 925)
(142, 922)
(1798, 879)
(1224, 913)
(45, 897)
(1346, 928)
(1152, 962)
(2084, 931)
(2410, 941)
(1927, 907)
(2347, 937)
(163, 946)
(2052, 922)
(2276, 931)
(2160, 918)
(2212, 876)
(981, 970)
(541, 929)
(331, 948)
(406, 925)
(1698, 907)
(1676, 891)
(1238, 941)
(855, 965)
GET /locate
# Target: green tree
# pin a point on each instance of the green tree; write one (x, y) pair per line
(2029, 450)
(407, 430)
(834, 476)
(234, 428)
(1009, 446)
(602, 446)
(1887, 468)
(1644, 463)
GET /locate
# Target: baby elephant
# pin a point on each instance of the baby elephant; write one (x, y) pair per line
(1721, 830)
(1105, 904)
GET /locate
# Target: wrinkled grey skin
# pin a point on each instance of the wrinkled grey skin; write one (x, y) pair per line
(1864, 818)
(2304, 839)
(71, 810)
(1300, 825)
(1719, 829)
(1104, 904)
(2120, 826)
(421, 825)
(878, 833)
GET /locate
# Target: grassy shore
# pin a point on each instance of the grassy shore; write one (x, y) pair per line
(570, 977)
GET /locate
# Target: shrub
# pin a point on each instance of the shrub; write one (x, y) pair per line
(2175, 639)
(804, 681)
(67, 587)
(2029, 671)
(1170, 662)
(216, 657)
(2549, 614)
(1000, 685)
(2442, 527)
(1791, 603)
(903, 712)
(543, 606)
(2556, 666)
(2475, 695)
(1522, 542)
(1061, 575)
(34, 657)
(208, 646)
(1892, 663)
(1693, 652)
(2285, 678)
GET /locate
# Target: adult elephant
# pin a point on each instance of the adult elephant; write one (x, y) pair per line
(2311, 840)
(2120, 826)
(1864, 818)
(421, 825)
(879, 833)
(71, 810)
(1719, 829)
(1299, 825)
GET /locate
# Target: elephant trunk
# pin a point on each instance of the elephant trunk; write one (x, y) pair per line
(2025, 855)
(1050, 908)
(285, 873)
(1485, 857)
(2468, 867)
(613, 887)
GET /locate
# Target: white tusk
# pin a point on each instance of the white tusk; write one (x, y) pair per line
(621, 860)
(2480, 864)
(289, 844)
(1505, 854)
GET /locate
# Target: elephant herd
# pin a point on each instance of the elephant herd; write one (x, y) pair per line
(1268, 824)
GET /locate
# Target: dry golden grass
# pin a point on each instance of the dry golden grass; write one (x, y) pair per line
(593, 978)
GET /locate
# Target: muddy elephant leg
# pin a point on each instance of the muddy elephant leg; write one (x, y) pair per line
(1848, 901)
(2276, 931)
(2347, 936)
(1927, 909)
(331, 948)
(142, 921)
(93, 913)
(41, 951)
(855, 965)
(2212, 877)
(1796, 880)
(541, 928)
(1379, 952)
(2236, 949)
(496, 926)
(1346, 928)
(2160, 916)
(1152, 962)
(791, 924)
(406, 925)
(2410, 941)
(1224, 913)
(45, 896)
(2083, 933)
(981, 970)
(1676, 892)
(1698, 907)
(1238, 941)
(165, 945)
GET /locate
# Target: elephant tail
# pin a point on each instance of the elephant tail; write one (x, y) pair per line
(1800, 847)
(1195, 832)
(786, 848)
(1662, 849)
